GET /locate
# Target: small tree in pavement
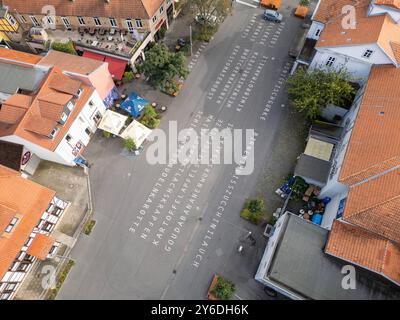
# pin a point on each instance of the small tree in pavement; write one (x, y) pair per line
(162, 66)
(311, 91)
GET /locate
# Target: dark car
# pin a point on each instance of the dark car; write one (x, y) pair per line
(272, 15)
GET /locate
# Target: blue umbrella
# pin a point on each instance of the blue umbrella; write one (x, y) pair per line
(134, 104)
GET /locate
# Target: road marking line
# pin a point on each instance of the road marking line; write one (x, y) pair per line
(238, 297)
(246, 4)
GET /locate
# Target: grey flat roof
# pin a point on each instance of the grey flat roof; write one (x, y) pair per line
(14, 77)
(313, 168)
(300, 265)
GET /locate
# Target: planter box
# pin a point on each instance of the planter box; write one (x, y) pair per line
(210, 295)
(301, 11)
(272, 4)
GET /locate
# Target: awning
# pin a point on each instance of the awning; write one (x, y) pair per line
(93, 55)
(134, 104)
(40, 246)
(115, 66)
(319, 149)
(136, 131)
(112, 122)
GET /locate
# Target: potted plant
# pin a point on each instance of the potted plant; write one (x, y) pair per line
(302, 9)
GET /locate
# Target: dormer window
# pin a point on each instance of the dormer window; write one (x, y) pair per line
(54, 132)
(12, 224)
(368, 53)
(64, 118)
(70, 106)
(79, 92)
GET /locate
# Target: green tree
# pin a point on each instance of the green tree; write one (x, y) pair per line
(311, 91)
(207, 9)
(304, 3)
(162, 66)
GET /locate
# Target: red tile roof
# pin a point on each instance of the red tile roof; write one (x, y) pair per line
(40, 246)
(25, 200)
(134, 9)
(364, 248)
(376, 128)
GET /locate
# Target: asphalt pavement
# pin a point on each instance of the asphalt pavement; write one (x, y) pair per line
(163, 231)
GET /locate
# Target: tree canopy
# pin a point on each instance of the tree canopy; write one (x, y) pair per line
(209, 8)
(162, 66)
(311, 91)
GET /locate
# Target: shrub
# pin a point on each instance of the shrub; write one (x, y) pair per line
(224, 289)
(129, 76)
(150, 117)
(67, 47)
(251, 216)
(89, 227)
(107, 134)
(130, 145)
(256, 205)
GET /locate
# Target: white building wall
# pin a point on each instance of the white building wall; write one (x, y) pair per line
(77, 130)
(357, 52)
(356, 68)
(315, 30)
(334, 189)
(63, 154)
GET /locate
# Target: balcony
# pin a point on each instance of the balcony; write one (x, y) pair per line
(106, 41)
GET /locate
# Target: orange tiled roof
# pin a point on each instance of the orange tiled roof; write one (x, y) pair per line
(28, 200)
(19, 56)
(134, 9)
(40, 246)
(69, 62)
(362, 247)
(46, 108)
(11, 114)
(62, 83)
(330, 10)
(390, 3)
(376, 128)
(375, 205)
(379, 29)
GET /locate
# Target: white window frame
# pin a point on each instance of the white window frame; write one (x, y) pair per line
(22, 18)
(330, 62)
(66, 22)
(154, 19)
(139, 23)
(113, 22)
(35, 21)
(368, 53)
(161, 9)
(97, 21)
(81, 21)
(318, 33)
(11, 20)
(129, 24)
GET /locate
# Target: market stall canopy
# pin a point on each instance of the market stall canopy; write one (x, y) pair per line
(136, 131)
(134, 104)
(112, 122)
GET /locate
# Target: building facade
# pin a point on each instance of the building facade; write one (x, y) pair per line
(28, 215)
(52, 110)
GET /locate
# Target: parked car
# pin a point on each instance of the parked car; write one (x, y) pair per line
(272, 15)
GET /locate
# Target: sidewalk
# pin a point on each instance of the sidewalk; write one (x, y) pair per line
(70, 184)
